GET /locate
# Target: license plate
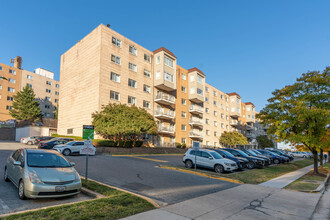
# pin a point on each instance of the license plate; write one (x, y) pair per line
(60, 188)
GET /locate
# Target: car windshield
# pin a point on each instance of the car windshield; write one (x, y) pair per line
(216, 155)
(241, 152)
(70, 143)
(257, 152)
(46, 160)
(252, 153)
(227, 153)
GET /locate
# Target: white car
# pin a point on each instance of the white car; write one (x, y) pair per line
(29, 140)
(70, 147)
(208, 159)
(301, 154)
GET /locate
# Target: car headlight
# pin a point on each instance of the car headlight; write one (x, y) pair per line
(77, 178)
(254, 160)
(34, 178)
(227, 164)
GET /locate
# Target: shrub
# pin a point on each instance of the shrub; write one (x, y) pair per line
(183, 146)
(177, 145)
(128, 144)
(105, 143)
(138, 143)
(121, 143)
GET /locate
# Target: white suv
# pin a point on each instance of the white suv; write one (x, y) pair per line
(70, 147)
(208, 159)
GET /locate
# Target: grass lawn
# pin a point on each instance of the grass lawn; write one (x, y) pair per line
(117, 204)
(305, 183)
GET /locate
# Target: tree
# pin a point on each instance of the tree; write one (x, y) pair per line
(264, 141)
(299, 113)
(25, 107)
(232, 138)
(2, 77)
(122, 122)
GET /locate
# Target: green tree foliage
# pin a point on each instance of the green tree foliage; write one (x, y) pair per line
(232, 138)
(300, 113)
(264, 141)
(25, 107)
(2, 77)
(122, 122)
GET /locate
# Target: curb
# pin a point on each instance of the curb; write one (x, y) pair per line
(321, 188)
(142, 155)
(92, 193)
(202, 174)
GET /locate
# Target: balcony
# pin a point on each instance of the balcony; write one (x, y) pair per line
(165, 99)
(196, 109)
(166, 129)
(164, 114)
(195, 134)
(235, 114)
(196, 122)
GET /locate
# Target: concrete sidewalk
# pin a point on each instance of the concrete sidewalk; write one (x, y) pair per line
(241, 202)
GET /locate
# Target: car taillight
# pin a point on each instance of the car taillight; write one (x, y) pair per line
(184, 155)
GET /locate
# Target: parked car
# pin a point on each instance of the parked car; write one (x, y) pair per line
(277, 159)
(301, 154)
(208, 159)
(289, 153)
(253, 161)
(279, 152)
(241, 162)
(43, 138)
(53, 142)
(70, 147)
(41, 174)
(268, 160)
(29, 140)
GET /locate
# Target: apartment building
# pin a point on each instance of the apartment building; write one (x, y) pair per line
(106, 67)
(42, 81)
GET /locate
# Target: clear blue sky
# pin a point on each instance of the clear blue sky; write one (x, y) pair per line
(248, 47)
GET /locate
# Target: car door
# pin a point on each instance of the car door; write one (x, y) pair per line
(77, 146)
(18, 170)
(13, 157)
(205, 160)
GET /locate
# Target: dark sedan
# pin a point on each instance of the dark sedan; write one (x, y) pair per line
(282, 154)
(268, 160)
(43, 138)
(253, 161)
(276, 158)
(53, 142)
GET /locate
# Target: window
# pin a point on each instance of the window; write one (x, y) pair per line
(146, 104)
(29, 77)
(222, 107)
(115, 77)
(158, 75)
(146, 89)
(69, 131)
(248, 109)
(0, 68)
(158, 60)
(183, 89)
(133, 50)
(215, 93)
(47, 98)
(221, 96)
(12, 72)
(183, 127)
(183, 76)
(168, 76)
(47, 106)
(114, 95)
(0, 86)
(206, 89)
(252, 109)
(238, 110)
(215, 103)
(215, 134)
(199, 79)
(207, 132)
(249, 116)
(237, 100)
(207, 99)
(227, 108)
(131, 83)
(222, 115)
(215, 123)
(132, 67)
(199, 91)
(147, 73)
(215, 113)
(11, 89)
(253, 116)
(11, 80)
(207, 121)
(115, 59)
(116, 42)
(48, 90)
(30, 85)
(56, 100)
(222, 125)
(57, 86)
(233, 109)
(192, 90)
(48, 83)
(215, 144)
(207, 110)
(227, 127)
(131, 100)
(192, 78)
(183, 101)
(227, 118)
(226, 99)
(168, 62)
(232, 100)
(183, 140)
(57, 93)
(9, 98)
(183, 114)
(147, 58)
(9, 107)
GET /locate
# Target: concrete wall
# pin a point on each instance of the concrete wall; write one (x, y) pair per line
(7, 134)
(32, 131)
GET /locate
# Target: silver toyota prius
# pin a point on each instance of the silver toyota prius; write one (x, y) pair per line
(41, 174)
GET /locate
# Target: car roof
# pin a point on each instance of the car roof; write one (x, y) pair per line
(42, 151)
(207, 150)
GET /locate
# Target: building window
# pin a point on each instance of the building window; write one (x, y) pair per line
(183, 89)
(199, 79)
(199, 91)
(206, 89)
(47, 106)
(215, 103)
(69, 131)
(48, 83)
(249, 116)
(215, 134)
(183, 76)
(0, 68)
(214, 93)
(252, 109)
(168, 62)
(146, 104)
(9, 107)
(215, 144)
(11, 80)
(11, 89)
(115, 59)
(57, 93)
(192, 90)
(207, 132)
(48, 91)
(221, 96)
(0, 86)
(226, 99)
(133, 50)
(222, 115)
(183, 101)
(47, 98)
(114, 95)
(207, 121)
(146, 89)
(115, 77)
(9, 98)
(132, 67)
(183, 140)
(227, 127)
(56, 100)
(237, 100)
(207, 110)
(233, 109)
(252, 116)
(147, 73)
(57, 86)
(12, 72)
(222, 107)
(131, 100)
(29, 77)
(215, 113)
(183, 127)
(227, 108)
(158, 60)
(183, 114)
(147, 58)
(157, 75)
(192, 78)
(215, 123)
(222, 125)
(238, 110)
(30, 85)
(131, 83)
(207, 99)
(168, 76)
(116, 42)
(227, 118)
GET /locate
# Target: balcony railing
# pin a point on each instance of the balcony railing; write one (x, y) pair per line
(196, 121)
(166, 129)
(164, 98)
(233, 122)
(194, 134)
(164, 114)
(196, 109)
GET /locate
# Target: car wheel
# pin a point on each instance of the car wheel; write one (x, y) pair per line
(304, 156)
(5, 175)
(218, 168)
(250, 165)
(29, 142)
(276, 161)
(66, 152)
(188, 164)
(21, 193)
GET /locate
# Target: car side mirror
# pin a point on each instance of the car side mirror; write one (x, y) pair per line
(72, 164)
(17, 163)
(210, 158)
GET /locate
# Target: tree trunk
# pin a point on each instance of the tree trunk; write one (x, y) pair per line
(316, 171)
(328, 156)
(321, 158)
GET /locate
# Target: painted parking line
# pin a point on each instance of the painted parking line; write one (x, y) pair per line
(3, 205)
(144, 158)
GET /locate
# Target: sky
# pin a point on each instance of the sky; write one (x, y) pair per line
(249, 47)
